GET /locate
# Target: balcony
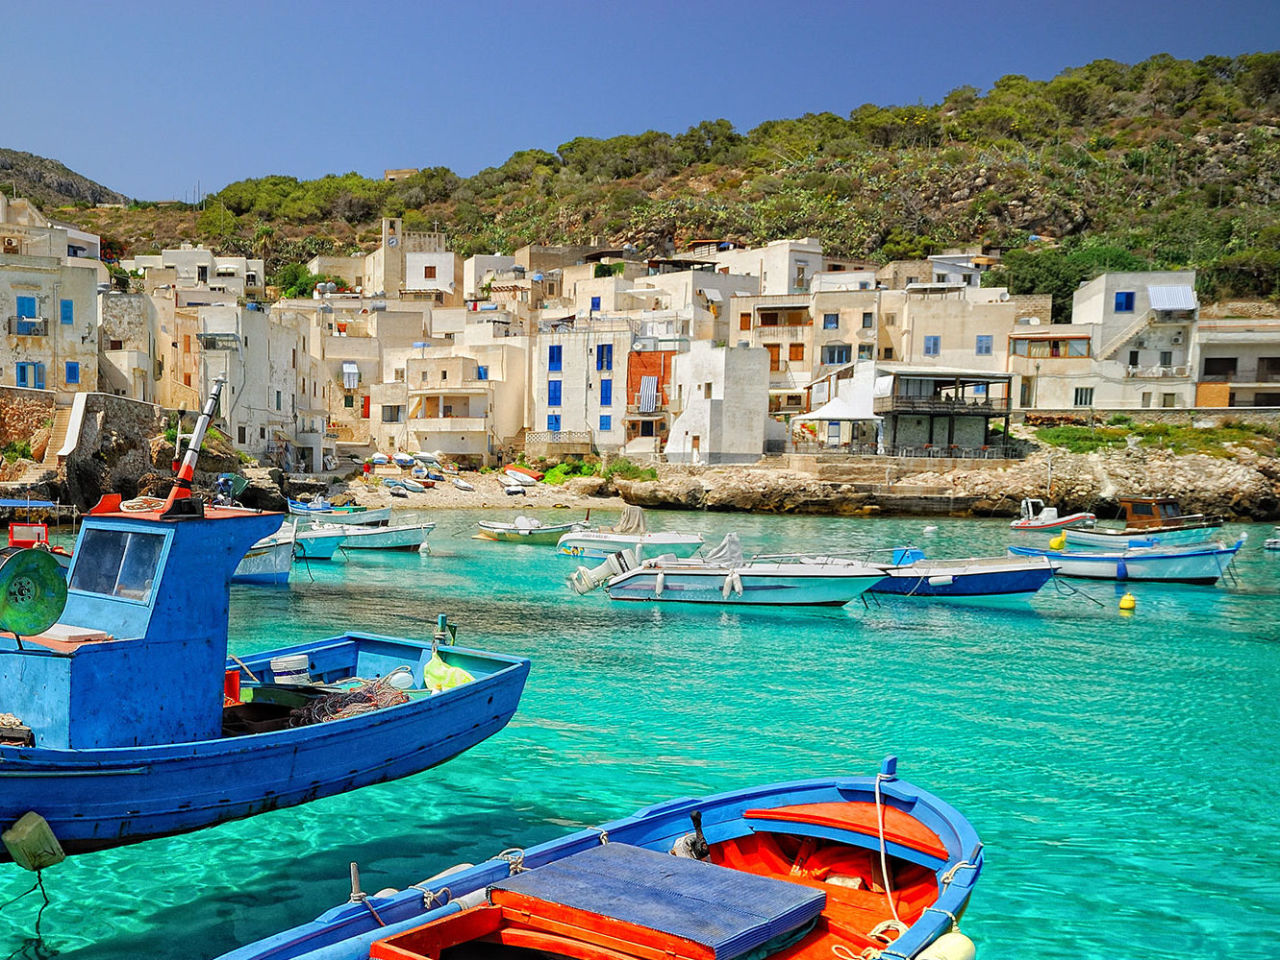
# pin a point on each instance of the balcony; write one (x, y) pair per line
(29, 326)
(991, 406)
(449, 424)
(468, 387)
(1156, 372)
(783, 334)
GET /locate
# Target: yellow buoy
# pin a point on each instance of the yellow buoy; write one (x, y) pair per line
(1058, 542)
(1128, 602)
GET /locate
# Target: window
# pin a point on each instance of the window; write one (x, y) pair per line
(66, 311)
(428, 273)
(115, 344)
(932, 346)
(912, 279)
(1084, 397)
(241, 435)
(553, 422)
(1124, 301)
(186, 379)
(982, 346)
(796, 352)
(26, 308)
(1168, 399)
(775, 356)
(278, 399)
(890, 319)
(72, 372)
(606, 393)
(1076, 347)
(262, 432)
(595, 303)
(554, 357)
(293, 361)
(604, 356)
(482, 372)
(202, 274)
(553, 393)
(398, 376)
(866, 351)
(837, 353)
(831, 321)
(349, 401)
(606, 422)
(1146, 399)
(393, 413)
(444, 374)
(769, 319)
(1166, 358)
(744, 321)
(868, 320)
(888, 353)
(29, 375)
(1133, 358)
(125, 564)
(864, 285)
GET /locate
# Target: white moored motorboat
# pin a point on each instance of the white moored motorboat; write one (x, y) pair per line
(1203, 563)
(630, 533)
(409, 536)
(321, 509)
(528, 530)
(268, 560)
(319, 544)
(1035, 516)
(724, 576)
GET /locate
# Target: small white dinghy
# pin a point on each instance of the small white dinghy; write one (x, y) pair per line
(413, 486)
(409, 536)
(630, 533)
(463, 485)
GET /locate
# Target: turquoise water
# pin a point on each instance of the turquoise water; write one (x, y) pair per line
(1122, 771)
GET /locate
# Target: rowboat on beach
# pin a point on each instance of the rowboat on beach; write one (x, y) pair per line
(808, 870)
(1203, 563)
(133, 723)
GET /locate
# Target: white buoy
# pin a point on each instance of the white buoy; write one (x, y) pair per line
(950, 946)
(931, 529)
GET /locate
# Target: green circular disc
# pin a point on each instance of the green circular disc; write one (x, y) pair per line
(33, 591)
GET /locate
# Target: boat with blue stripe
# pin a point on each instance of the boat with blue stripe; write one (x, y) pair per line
(912, 574)
(804, 870)
(1203, 564)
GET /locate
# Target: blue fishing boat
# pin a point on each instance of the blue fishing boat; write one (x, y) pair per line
(845, 867)
(1202, 563)
(133, 723)
(912, 574)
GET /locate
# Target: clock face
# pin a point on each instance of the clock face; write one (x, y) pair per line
(393, 241)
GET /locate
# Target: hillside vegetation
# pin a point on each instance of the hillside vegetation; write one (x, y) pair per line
(1168, 163)
(48, 182)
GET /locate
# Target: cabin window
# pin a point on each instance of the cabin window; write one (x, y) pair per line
(1142, 510)
(117, 563)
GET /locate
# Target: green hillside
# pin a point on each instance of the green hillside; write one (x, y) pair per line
(1168, 162)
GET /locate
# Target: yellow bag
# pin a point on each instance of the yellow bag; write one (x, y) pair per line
(438, 675)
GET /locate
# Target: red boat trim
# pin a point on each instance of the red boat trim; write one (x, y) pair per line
(860, 817)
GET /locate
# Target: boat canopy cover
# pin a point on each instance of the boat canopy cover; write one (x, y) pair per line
(729, 552)
(729, 912)
(631, 521)
(648, 394)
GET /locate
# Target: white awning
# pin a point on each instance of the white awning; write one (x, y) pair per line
(350, 375)
(648, 394)
(743, 293)
(712, 295)
(841, 408)
(1173, 297)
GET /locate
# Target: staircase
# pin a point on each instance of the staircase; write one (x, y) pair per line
(1115, 343)
(49, 465)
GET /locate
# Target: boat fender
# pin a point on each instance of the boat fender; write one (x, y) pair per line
(1058, 542)
(659, 584)
(385, 892)
(1122, 570)
(737, 582)
(942, 581)
(728, 585)
(950, 946)
(32, 843)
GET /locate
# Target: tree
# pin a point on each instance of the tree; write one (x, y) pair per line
(217, 223)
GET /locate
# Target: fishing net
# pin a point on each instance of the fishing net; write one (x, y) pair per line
(367, 696)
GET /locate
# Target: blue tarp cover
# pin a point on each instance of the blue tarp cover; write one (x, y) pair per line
(27, 503)
(728, 911)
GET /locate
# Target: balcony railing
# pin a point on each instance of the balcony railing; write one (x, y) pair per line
(557, 436)
(991, 406)
(29, 326)
(1155, 373)
(1241, 376)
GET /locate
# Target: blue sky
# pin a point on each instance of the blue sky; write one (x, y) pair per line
(151, 98)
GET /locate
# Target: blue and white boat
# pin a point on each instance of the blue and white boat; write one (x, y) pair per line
(1147, 522)
(1202, 563)
(836, 867)
(912, 574)
(135, 724)
(321, 509)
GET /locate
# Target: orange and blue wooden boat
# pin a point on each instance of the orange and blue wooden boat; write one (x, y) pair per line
(808, 870)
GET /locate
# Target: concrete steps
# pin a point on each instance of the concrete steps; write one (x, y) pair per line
(41, 471)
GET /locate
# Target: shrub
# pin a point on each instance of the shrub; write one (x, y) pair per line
(624, 469)
(1120, 420)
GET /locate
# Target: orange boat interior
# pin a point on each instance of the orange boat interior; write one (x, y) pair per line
(514, 926)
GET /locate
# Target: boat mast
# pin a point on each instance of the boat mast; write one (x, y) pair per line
(186, 472)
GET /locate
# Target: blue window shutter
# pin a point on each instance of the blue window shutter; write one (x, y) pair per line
(595, 303)
(554, 357)
(606, 422)
(39, 375)
(606, 393)
(482, 373)
(983, 346)
(67, 311)
(26, 307)
(553, 421)
(553, 393)
(831, 321)
(1124, 301)
(73, 368)
(20, 373)
(932, 346)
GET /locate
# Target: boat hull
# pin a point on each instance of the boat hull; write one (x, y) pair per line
(267, 563)
(347, 931)
(1124, 539)
(357, 517)
(598, 546)
(316, 545)
(406, 537)
(1060, 523)
(1014, 580)
(95, 799)
(1194, 566)
(771, 587)
(510, 533)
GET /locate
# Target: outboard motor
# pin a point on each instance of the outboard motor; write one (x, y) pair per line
(584, 580)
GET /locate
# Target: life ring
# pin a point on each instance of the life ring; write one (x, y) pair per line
(141, 505)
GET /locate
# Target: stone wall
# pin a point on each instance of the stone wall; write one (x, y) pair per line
(1184, 416)
(23, 413)
(113, 452)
